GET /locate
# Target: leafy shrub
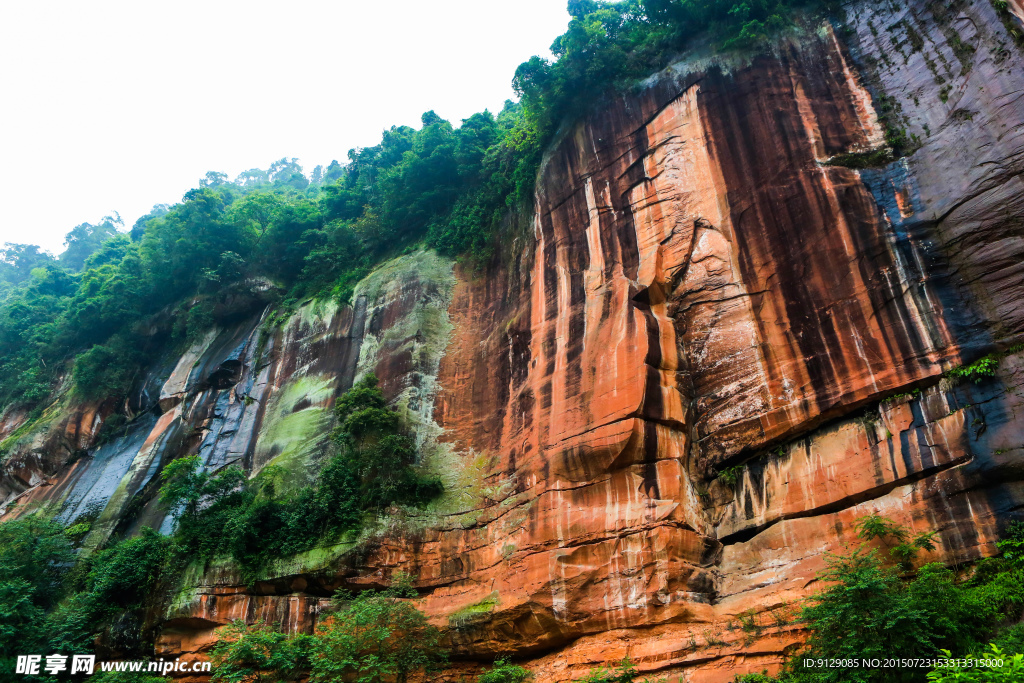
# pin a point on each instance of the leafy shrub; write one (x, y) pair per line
(121, 577)
(976, 371)
(865, 613)
(259, 653)
(905, 549)
(1010, 670)
(504, 672)
(868, 610)
(1012, 544)
(730, 476)
(624, 673)
(375, 636)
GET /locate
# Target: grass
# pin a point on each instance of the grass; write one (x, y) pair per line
(730, 476)
(902, 397)
(875, 158)
(474, 613)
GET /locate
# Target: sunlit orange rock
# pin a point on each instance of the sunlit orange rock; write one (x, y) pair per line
(702, 290)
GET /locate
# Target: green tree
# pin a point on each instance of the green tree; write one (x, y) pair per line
(17, 261)
(256, 212)
(258, 653)
(375, 636)
(865, 613)
(378, 457)
(86, 238)
(35, 557)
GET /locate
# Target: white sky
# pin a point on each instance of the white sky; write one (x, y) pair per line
(115, 106)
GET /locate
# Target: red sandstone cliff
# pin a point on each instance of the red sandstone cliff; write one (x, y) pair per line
(702, 288)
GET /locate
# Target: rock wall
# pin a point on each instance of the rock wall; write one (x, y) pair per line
(709, 289)
(705, 288)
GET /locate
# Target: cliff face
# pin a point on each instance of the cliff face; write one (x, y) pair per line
(704, 287)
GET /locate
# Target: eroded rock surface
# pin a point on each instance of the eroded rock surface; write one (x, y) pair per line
(703, 288)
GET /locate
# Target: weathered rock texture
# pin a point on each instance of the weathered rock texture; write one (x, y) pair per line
(703, 289)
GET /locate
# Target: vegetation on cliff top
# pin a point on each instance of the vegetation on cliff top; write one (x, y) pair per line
(614, 44)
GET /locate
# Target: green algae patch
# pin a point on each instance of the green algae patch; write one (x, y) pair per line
(296, 429)
(422, 333)
(310, 561)
(461, 474)
(16, 436)
(474, 614)
(34, 425)
(425, 329)
(319, 312)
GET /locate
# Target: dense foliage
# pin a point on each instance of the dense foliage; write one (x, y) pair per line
(875, 608)
(254, 522)
(48, 603)
(258, 653)
(370, 637)
(375, 636)
(610, 44)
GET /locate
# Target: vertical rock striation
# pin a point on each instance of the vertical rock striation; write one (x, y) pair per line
(710, 284)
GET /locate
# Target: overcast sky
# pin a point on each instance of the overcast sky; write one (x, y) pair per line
(116, 106)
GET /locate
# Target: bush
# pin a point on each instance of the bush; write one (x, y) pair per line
(865, 613)
(258, 653)
(1010, 670)
(121, 578)
(868, 611)
(624, 673)
(976, 371)
(902, 547)
(504, 672)
(373, 637)
(35, 557)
